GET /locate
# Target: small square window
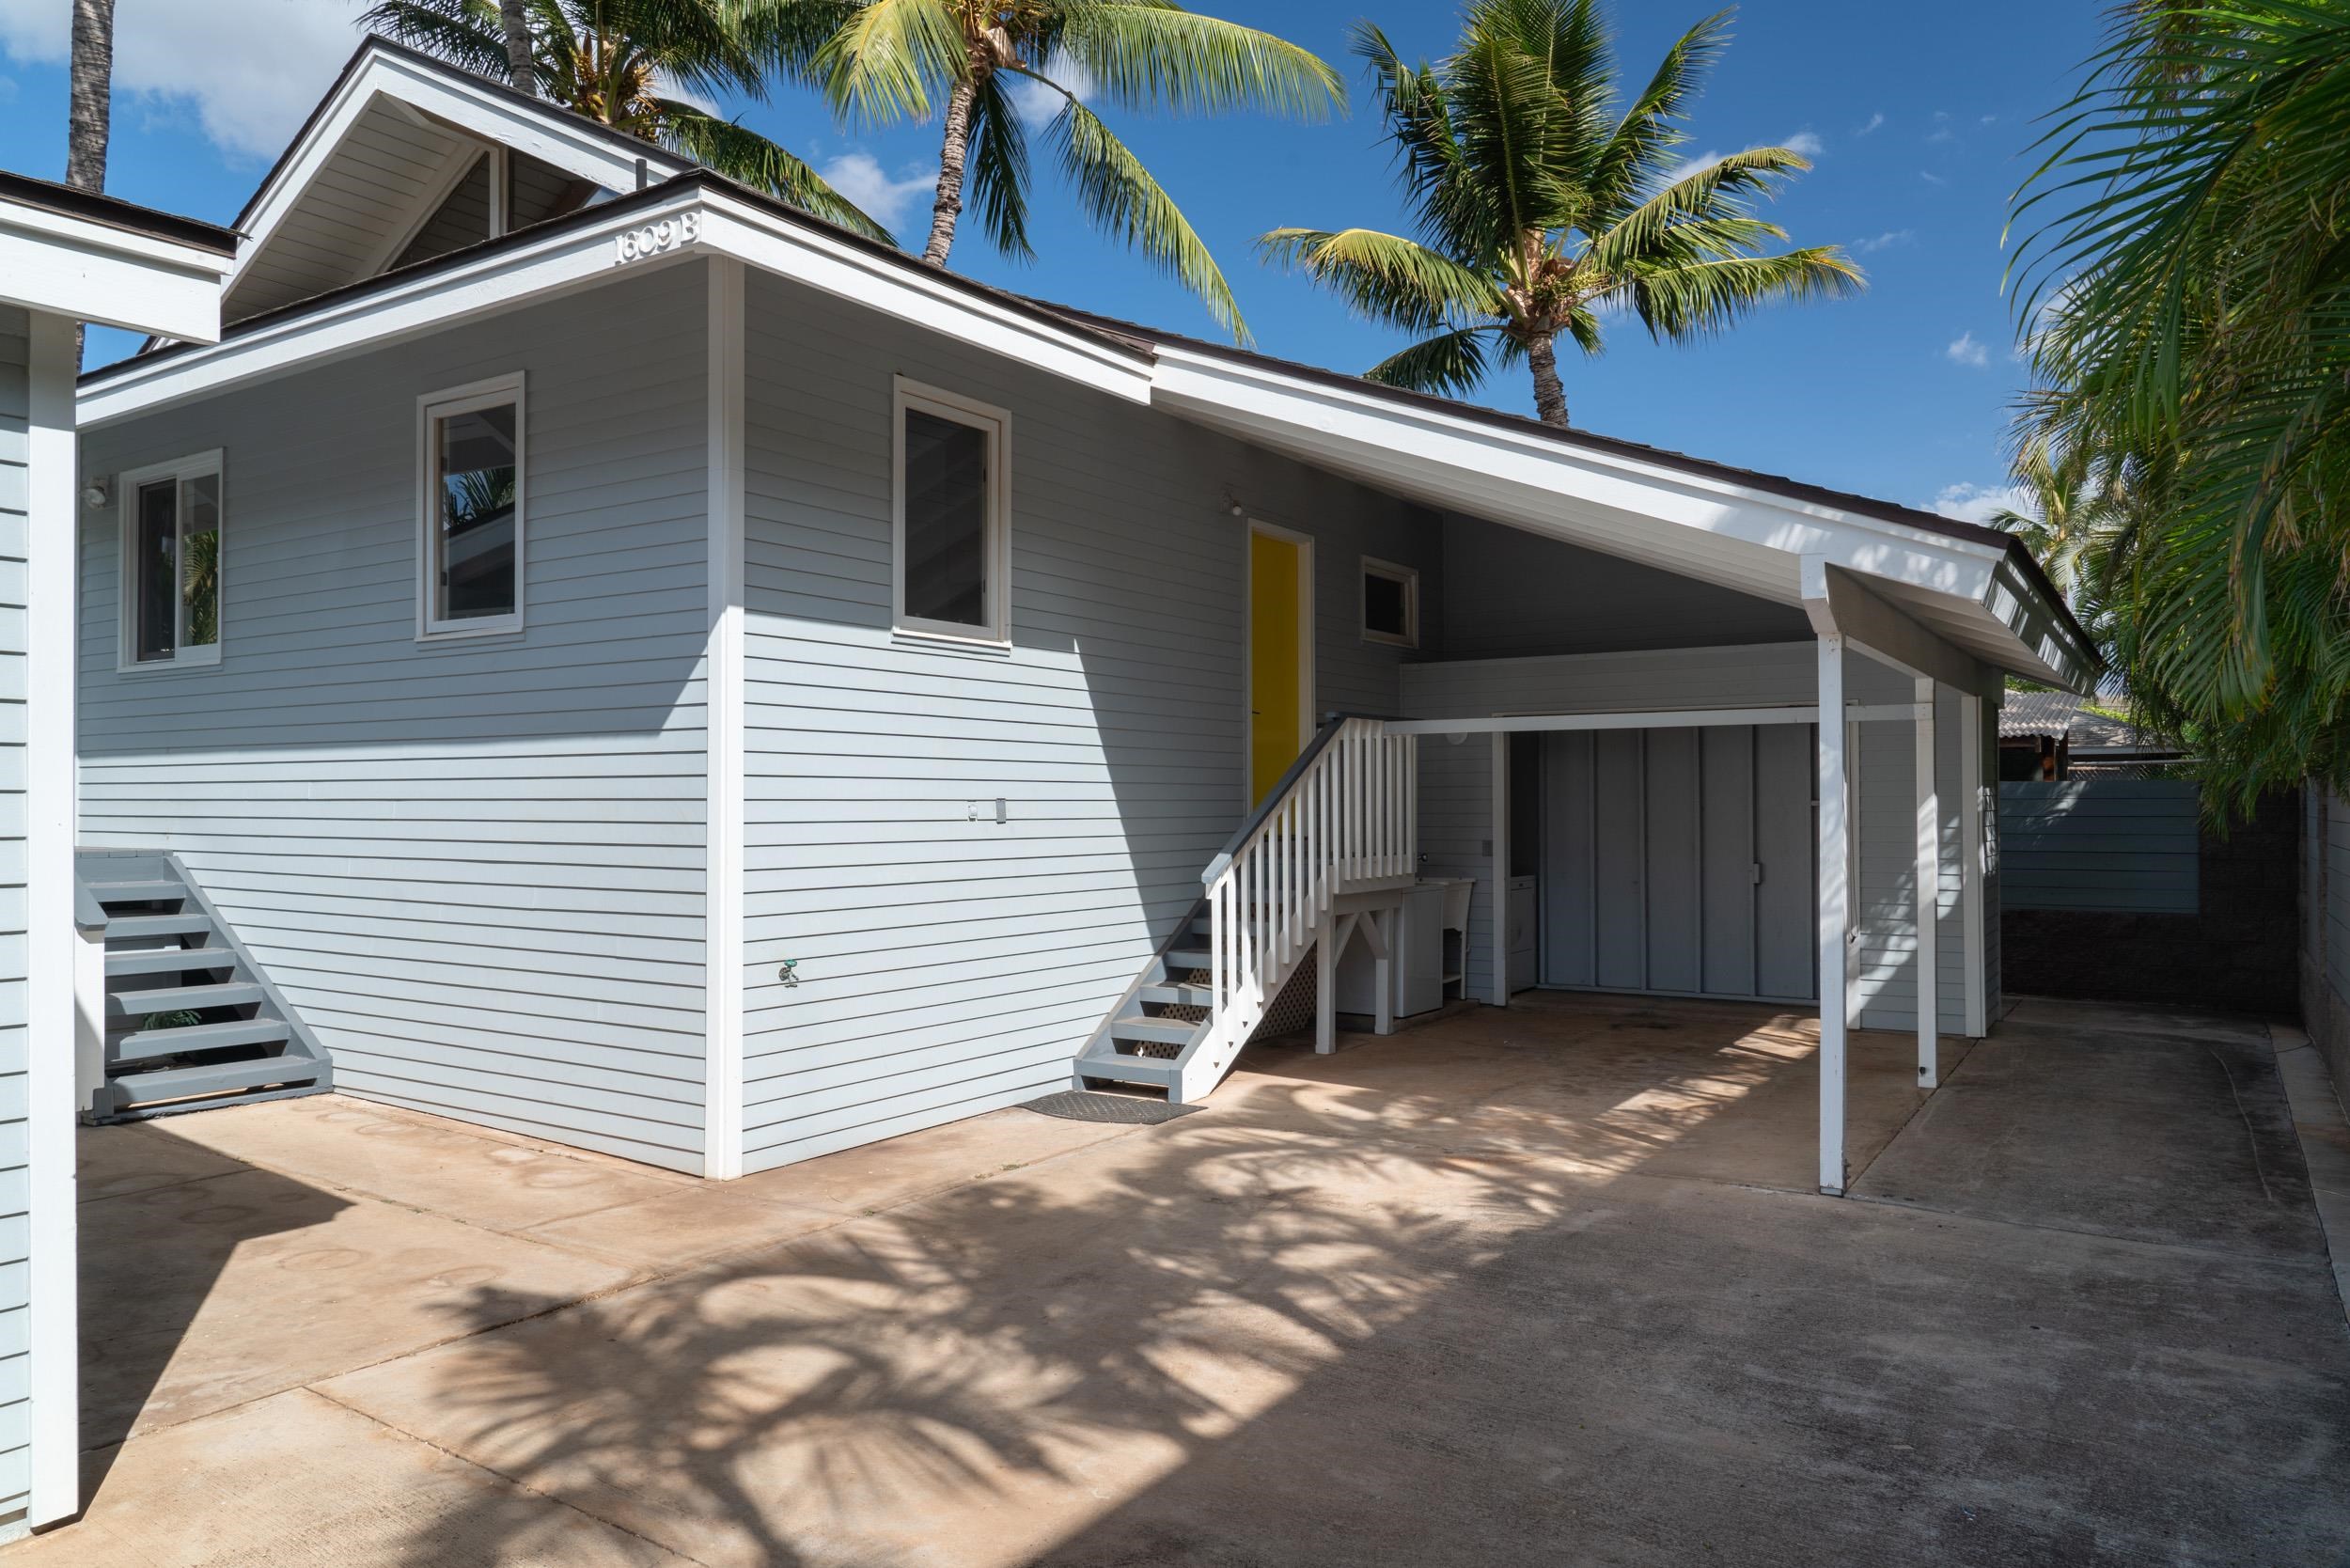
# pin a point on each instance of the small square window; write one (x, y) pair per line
(950, 549)
(471, 512)
(171, 536)
(1390, 604)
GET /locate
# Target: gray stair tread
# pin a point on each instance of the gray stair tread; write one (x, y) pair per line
(170, 1083)
(164, 961)
(1137, 1026)
(185, 923)
(146, 1044)
(1189, 958)
(128, 892)
(176, 998)
(1131, 1070)
(1179, 996)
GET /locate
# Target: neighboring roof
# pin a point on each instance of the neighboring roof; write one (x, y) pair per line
(90, 207)
(2033, 716)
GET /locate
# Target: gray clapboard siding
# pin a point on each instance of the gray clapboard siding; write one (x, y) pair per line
(15, 1411)
(1510, 594)
(475, 868)
(1456, 785)
(2125, 845)
(949, 965)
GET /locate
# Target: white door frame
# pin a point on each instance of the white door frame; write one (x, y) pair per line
(1307, 724)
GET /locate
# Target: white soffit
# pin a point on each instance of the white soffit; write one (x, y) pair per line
(1699, 526)
(381, 151)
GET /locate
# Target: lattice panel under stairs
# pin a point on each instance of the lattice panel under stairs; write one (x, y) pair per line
(1293, 1009)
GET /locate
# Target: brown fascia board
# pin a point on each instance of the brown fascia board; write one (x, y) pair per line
(91, 207)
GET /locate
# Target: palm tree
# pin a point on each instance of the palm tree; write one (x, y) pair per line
(906, 59)
(514, 18)
(2187, 295)
(89, 116)
(619, 61)
(1540, 209)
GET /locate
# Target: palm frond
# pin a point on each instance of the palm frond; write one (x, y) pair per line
(465, 33)
(741, 153)
(1643, 141)
(1157, 56)
(891, 59)
(999, 168)
(1451, 364)
(1706, 195)
(1683, 302)
(1122, 199)
(1384, 277)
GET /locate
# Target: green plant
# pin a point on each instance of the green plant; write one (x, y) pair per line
(2185, 283)
(1543, 203)
(908, 60)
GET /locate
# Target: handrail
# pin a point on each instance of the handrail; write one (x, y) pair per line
(1331, 725)
(1344, 818)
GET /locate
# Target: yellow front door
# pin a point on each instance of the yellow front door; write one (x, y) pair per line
(1276, 657)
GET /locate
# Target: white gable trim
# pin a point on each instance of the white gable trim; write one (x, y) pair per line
(475, 108)
(607, 242)
(1701, 525)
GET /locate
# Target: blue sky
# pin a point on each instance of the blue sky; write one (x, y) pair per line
(1921, 117)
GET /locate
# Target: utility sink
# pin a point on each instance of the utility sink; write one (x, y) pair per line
(1456, 898)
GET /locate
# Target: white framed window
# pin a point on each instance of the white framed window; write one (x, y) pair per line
(950, 515)
(171, 561)
(471, 509)
(1390, 604)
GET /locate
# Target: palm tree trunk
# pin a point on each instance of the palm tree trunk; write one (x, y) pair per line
(1550, 394)
(89, 117)
(519, 66)
(89, 111)
(952, 155)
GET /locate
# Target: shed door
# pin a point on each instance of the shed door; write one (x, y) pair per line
(1680, 861)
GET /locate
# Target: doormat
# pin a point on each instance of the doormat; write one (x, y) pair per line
(1084, 1104)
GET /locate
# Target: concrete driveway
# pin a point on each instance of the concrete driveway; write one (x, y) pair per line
(1524, 1287)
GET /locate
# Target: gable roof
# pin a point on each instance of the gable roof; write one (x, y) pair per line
(392, 138)
(1975, 587)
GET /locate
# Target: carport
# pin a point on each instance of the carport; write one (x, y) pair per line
(1882, 637)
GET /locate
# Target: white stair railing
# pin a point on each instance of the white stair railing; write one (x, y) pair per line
(1345, 817)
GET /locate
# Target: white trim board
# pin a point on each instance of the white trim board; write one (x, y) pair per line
(1737, 536)
(58, 264)
(725, 698)
(590, 251)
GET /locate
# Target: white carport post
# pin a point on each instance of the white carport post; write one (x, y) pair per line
(1835, 912)
(1929, 900)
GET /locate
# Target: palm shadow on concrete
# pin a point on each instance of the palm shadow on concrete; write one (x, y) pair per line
(1338, 1319)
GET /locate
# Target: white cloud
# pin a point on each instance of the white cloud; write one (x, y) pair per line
(1805, 144)
(1874, 121)
(1931, 178)
(1976, 503)
(1038, 102)
(250, 69)
(1966, 351)
(1881, 242)
(860, 176)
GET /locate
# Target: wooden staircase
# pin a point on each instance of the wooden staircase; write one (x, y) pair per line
(192, 1022)
(1342, 820)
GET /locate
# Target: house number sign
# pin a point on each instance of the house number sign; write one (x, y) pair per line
(654, 239)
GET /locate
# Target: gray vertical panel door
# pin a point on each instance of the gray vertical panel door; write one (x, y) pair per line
(1679, 861)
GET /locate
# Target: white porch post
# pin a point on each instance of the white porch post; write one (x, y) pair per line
(1971, 840)
(1835, 913)
(49, 923)
(1929, 893)
(1497, 887)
